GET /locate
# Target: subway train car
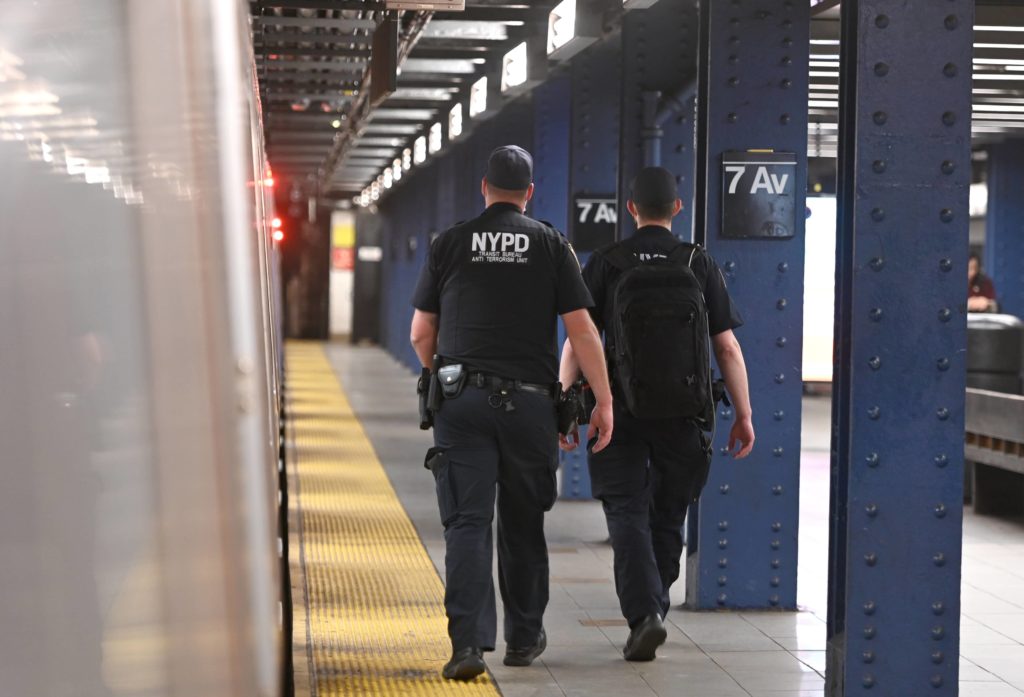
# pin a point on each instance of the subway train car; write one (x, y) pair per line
(139, 549)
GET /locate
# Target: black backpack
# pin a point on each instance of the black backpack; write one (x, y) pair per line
(659, 346)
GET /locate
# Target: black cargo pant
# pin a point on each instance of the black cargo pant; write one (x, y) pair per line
(517, 452)
(645, 479)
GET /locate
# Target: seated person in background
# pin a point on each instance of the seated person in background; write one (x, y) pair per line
(981, 293)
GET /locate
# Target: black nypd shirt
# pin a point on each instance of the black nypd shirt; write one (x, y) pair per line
(499, 282)
(654, 241)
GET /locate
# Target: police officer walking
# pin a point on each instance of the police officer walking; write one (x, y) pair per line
(655, 466)
(487, 304)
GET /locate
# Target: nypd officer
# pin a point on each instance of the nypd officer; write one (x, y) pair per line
(487, 303)
(654, 467)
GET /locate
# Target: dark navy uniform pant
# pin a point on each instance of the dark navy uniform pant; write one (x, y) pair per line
(513, 453)
(645, 479)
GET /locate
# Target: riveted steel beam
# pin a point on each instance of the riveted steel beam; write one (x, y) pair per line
(552, 134)
(898, 385)
(752, 95)
(659, 73)
(593, 146)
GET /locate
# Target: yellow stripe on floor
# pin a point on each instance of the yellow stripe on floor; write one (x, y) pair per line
(374, 605)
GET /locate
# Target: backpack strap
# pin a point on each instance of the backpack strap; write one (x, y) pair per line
(684, 250)
(618, 257)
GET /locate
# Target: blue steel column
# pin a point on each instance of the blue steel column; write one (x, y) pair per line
(898, 409)
(660, 65)
(594, 156)
(551, 134)
(742, 538)
(1004, 231)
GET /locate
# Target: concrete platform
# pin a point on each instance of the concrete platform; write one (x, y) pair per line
(707, 654)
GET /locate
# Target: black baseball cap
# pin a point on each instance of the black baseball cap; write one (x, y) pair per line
(510, 167)
(654, 186)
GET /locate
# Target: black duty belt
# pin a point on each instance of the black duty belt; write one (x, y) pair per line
(486, 380)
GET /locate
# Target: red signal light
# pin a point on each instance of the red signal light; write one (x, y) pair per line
(275, 223)
(268, 182)
(278, 235)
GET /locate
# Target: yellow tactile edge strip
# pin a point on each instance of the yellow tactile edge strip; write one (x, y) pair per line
(374, 615)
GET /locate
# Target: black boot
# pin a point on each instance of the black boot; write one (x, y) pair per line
(465, 664)
(644, 639)
(525, 656)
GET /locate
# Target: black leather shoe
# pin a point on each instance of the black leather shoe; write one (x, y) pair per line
(524, 657)
(645, 639)
(465, 664)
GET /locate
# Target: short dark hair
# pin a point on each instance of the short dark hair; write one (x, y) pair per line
(506, 193)
(655, 211)
(975, 256)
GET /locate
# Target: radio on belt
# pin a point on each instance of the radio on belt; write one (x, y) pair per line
(758, 194)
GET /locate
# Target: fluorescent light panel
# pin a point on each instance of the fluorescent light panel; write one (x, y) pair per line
(435, 138)
(561, 25)
(478, 97)
(514, 67)
(455, 122)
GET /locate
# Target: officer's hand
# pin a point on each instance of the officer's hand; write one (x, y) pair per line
(742, 435)
(601, 424)
(569, 441)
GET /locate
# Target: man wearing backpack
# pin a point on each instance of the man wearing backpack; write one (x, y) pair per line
(660, 303)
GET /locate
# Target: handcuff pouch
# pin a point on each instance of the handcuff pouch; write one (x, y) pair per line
(452, 379)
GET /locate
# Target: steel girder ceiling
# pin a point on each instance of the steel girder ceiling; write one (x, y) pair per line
(312, 58)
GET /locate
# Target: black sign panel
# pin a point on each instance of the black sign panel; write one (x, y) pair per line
(758, 194)
(593, 221)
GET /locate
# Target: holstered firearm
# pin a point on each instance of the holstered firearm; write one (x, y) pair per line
(718, 393)
(423, 392)
(572, 409)
(429, 392)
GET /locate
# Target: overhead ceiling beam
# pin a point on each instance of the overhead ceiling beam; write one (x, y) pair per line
(508, 13)
(411, 30)
(277, 142)
(301, 36)
(278, 159)
(328, 67)
(455, 43)
(316, 23)
(334, 95)
(466, 52)
(290, 81)
(429, 81)
(415, 104)
(336, 51)
(368, 5)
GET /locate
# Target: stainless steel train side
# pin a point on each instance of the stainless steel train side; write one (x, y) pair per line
(139, 354)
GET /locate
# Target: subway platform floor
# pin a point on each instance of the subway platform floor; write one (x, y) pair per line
(707, 654)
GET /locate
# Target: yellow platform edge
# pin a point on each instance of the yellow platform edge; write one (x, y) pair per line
(368, 603)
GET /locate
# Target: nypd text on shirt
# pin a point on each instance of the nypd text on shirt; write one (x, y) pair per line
(500, 248)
